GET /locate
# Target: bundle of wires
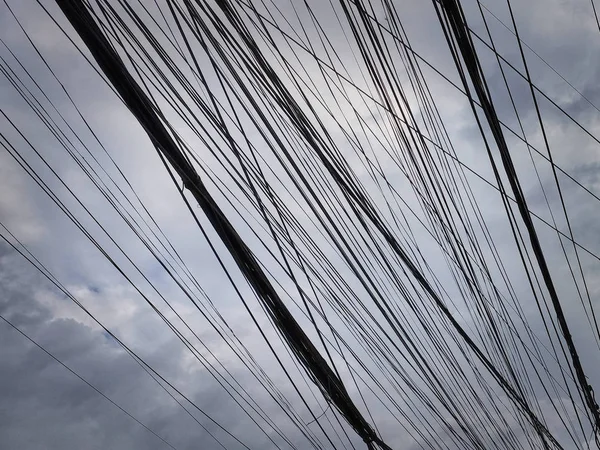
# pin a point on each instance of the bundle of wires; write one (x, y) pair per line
(335, 179)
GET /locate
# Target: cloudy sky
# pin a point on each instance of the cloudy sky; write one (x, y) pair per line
(46, 406)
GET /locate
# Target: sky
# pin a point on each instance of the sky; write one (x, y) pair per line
(47, 406)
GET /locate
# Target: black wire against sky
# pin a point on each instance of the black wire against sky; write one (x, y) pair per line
(394, 333)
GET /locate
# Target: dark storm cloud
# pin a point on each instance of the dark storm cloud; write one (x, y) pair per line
(46, 406)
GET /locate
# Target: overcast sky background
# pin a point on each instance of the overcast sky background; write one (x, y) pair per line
(44, 406)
